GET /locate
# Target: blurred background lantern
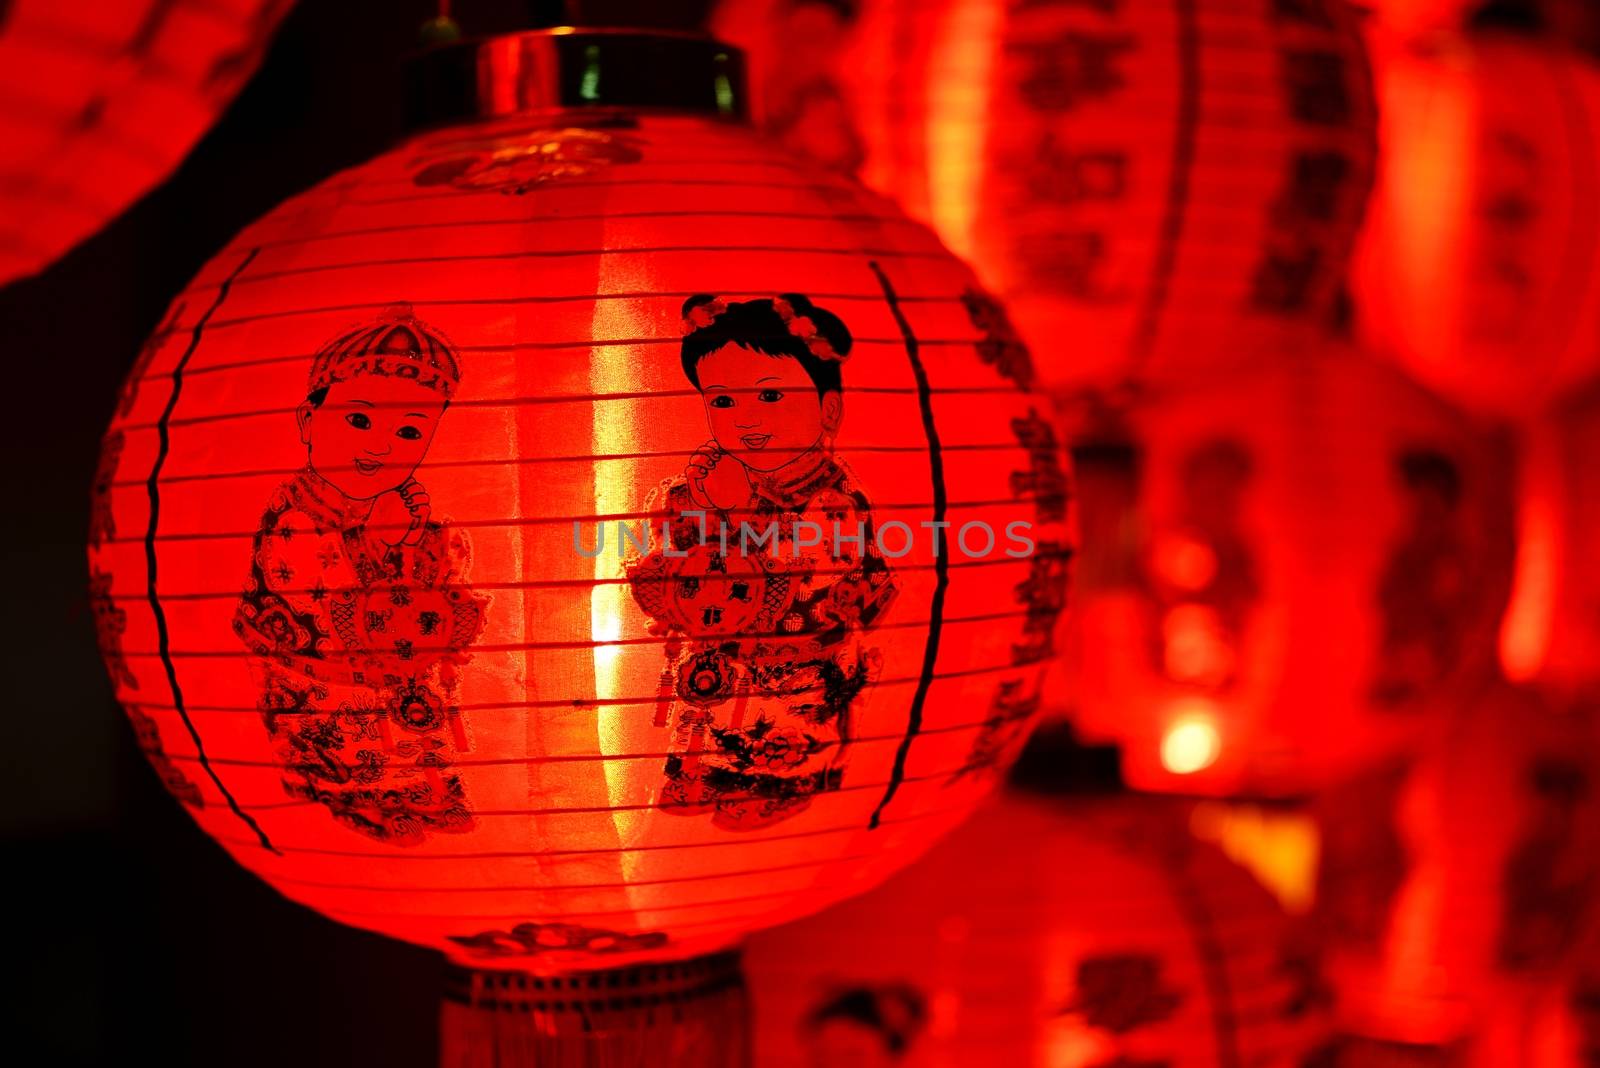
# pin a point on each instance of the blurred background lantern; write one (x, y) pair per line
(1042, 933)
(1156, 189)
(100, 102)
(1479, 267)
(1285, 573)
(1455, 900)
(498, 734)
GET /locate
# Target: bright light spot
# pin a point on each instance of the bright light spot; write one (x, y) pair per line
(1529, 622)
(1190, 745)
(1280, 848)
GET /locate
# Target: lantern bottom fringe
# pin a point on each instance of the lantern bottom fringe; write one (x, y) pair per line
(693, 1012)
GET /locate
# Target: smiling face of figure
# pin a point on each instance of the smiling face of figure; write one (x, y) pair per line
(764, 410)
(370, 432)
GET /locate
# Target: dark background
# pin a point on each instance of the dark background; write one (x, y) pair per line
(132, 935)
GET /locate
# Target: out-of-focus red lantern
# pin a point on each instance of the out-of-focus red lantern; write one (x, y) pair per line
(1285, 572)
(1479, 268)
(1045, 934)
(100, 101)
(1460, 935)
(486, 733)
(1155, 189)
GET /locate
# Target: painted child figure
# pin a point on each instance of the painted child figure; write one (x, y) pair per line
(774, 577)
(355, 611)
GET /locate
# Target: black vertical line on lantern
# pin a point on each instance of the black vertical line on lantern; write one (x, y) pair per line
(163, 638)
(1213, 964)
(1177, 207)
(941, 546)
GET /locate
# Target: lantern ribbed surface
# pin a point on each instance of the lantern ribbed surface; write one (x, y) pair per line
(1156, 189)
(99, 102)
(346, 530)
(1043, 933)
(1286, 574)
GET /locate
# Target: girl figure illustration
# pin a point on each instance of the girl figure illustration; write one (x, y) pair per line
(774, 577)
(355, 612)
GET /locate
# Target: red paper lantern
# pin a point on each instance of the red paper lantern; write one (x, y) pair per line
(1045, 934)
(347, 543)
(99, 102)
(1479, 268)
(1455, 897)
(1156, 189)
(1285, 573)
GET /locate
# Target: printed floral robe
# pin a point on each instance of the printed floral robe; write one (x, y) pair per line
(355, 645)
(766, 662)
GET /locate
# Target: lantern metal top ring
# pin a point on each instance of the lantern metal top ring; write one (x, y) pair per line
(567, 67)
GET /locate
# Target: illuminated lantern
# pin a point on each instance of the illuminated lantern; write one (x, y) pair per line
(1042, 934)
(1156, 189)
(100, 102)
(1479, 268)
(1463, 938)
(1286, 572)
(524, 542)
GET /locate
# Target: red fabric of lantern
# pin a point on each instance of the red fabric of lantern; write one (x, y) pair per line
(1155, 189)
(1479, 268)
(1285, 573)
(1045, 934)
(99, 102)
(348, 535)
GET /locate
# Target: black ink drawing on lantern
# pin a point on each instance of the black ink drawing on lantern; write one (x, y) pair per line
(1122, 992)
(864, 1025)
(356, 611)
(516, 164)
(534, 939)
(1427, 592)
(766, 658)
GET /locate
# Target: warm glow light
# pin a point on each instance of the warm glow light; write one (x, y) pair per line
(1190, 745)
(1280, 847)
(1529, 621)
(958, 109)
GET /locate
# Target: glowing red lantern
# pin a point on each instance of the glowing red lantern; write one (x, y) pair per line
(1155, 189)
(1039, 934)
(99, 102)
(1478, 268)
(1455, 899)
(685, 658)
(1285, 573)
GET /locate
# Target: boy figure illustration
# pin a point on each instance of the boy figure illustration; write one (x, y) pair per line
(355, 612)
(765, 640)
